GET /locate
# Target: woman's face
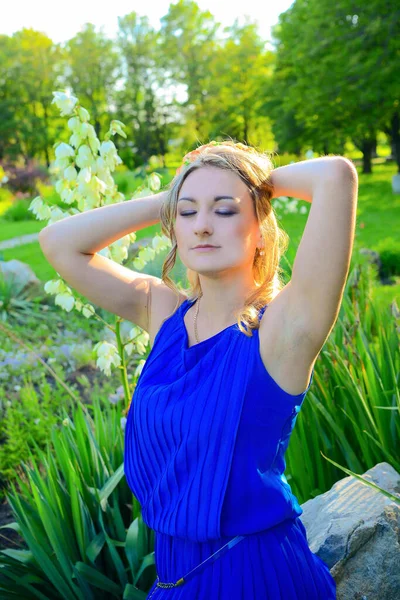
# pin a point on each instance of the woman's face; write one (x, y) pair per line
(229, 224)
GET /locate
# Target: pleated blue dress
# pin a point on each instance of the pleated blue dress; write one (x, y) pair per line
(205, 442)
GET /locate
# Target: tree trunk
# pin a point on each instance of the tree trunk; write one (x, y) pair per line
(366, 149)
(395, 138)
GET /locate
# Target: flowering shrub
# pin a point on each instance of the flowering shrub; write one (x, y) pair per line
(82, 170)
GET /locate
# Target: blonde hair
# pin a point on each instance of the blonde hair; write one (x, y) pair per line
(253, 168)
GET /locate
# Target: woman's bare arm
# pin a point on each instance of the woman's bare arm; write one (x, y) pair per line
(71, 246)
(95, 229)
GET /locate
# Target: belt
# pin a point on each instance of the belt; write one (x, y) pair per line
(201, 566)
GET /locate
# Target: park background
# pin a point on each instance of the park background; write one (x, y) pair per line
(312, 79)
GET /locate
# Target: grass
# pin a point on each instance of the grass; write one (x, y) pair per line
(11, 229)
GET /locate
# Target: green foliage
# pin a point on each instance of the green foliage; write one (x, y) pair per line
(40, 345)
(352, 409)
(389, 254)
(319, 74)
(26, 421)
(84, 536)
(18, 211)
(302, 93)
(12, 229)
(5, 196)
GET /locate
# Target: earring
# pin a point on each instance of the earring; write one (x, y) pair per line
(261, 252)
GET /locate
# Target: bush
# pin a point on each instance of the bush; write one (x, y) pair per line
(18, 211)
(24, 179)
(390, 257)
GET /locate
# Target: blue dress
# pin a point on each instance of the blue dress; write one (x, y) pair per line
(205, 442)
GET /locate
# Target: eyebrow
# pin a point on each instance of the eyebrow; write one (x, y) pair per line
(216, 198)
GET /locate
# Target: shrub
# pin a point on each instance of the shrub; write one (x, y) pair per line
(389, 254)
(18, 211)
(24, 178)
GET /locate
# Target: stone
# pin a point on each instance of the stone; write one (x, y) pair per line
(21, 274)
(355, 530)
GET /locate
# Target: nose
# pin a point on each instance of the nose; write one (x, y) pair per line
(202, 225)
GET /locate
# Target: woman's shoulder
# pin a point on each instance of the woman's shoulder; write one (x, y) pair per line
(164, 304)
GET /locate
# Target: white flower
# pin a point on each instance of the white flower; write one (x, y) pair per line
(54, 286)
(85, 157)
(78, 304)
(116, 127)
(119, 249)
(154, 182)
(68, 196)
(70, 173)
(107, 355)
(109, 153)
(61, 185)
(97, 185)
(143, 193)
(142, 341)
(39, 209)
(56, 214)
(83, 114)
(74, 123)
(88, 311)
(139, 368)
(90, 187)
(107, 148)
(64, 150)
(159, 242)
(129, 348)
(85, 175)
(65, 102)
(103, 172)
(75, 140)
(84, 129)
(66, 301)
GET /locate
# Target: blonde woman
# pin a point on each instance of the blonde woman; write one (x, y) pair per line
(231, 361)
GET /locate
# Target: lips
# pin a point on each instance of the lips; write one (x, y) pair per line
(206, 246)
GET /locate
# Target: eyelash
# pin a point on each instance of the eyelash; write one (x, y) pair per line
(224, 214)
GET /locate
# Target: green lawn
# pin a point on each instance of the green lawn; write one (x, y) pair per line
(10, 229)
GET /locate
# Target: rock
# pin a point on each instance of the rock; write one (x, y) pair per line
(21, 274)
(355, 530)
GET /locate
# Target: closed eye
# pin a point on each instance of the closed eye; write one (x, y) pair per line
(225, 214)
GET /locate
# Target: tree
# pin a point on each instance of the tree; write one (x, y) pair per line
(339, 63)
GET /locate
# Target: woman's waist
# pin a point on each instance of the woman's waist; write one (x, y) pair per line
(176, 556)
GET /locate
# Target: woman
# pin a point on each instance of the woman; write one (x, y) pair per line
(218, 396)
